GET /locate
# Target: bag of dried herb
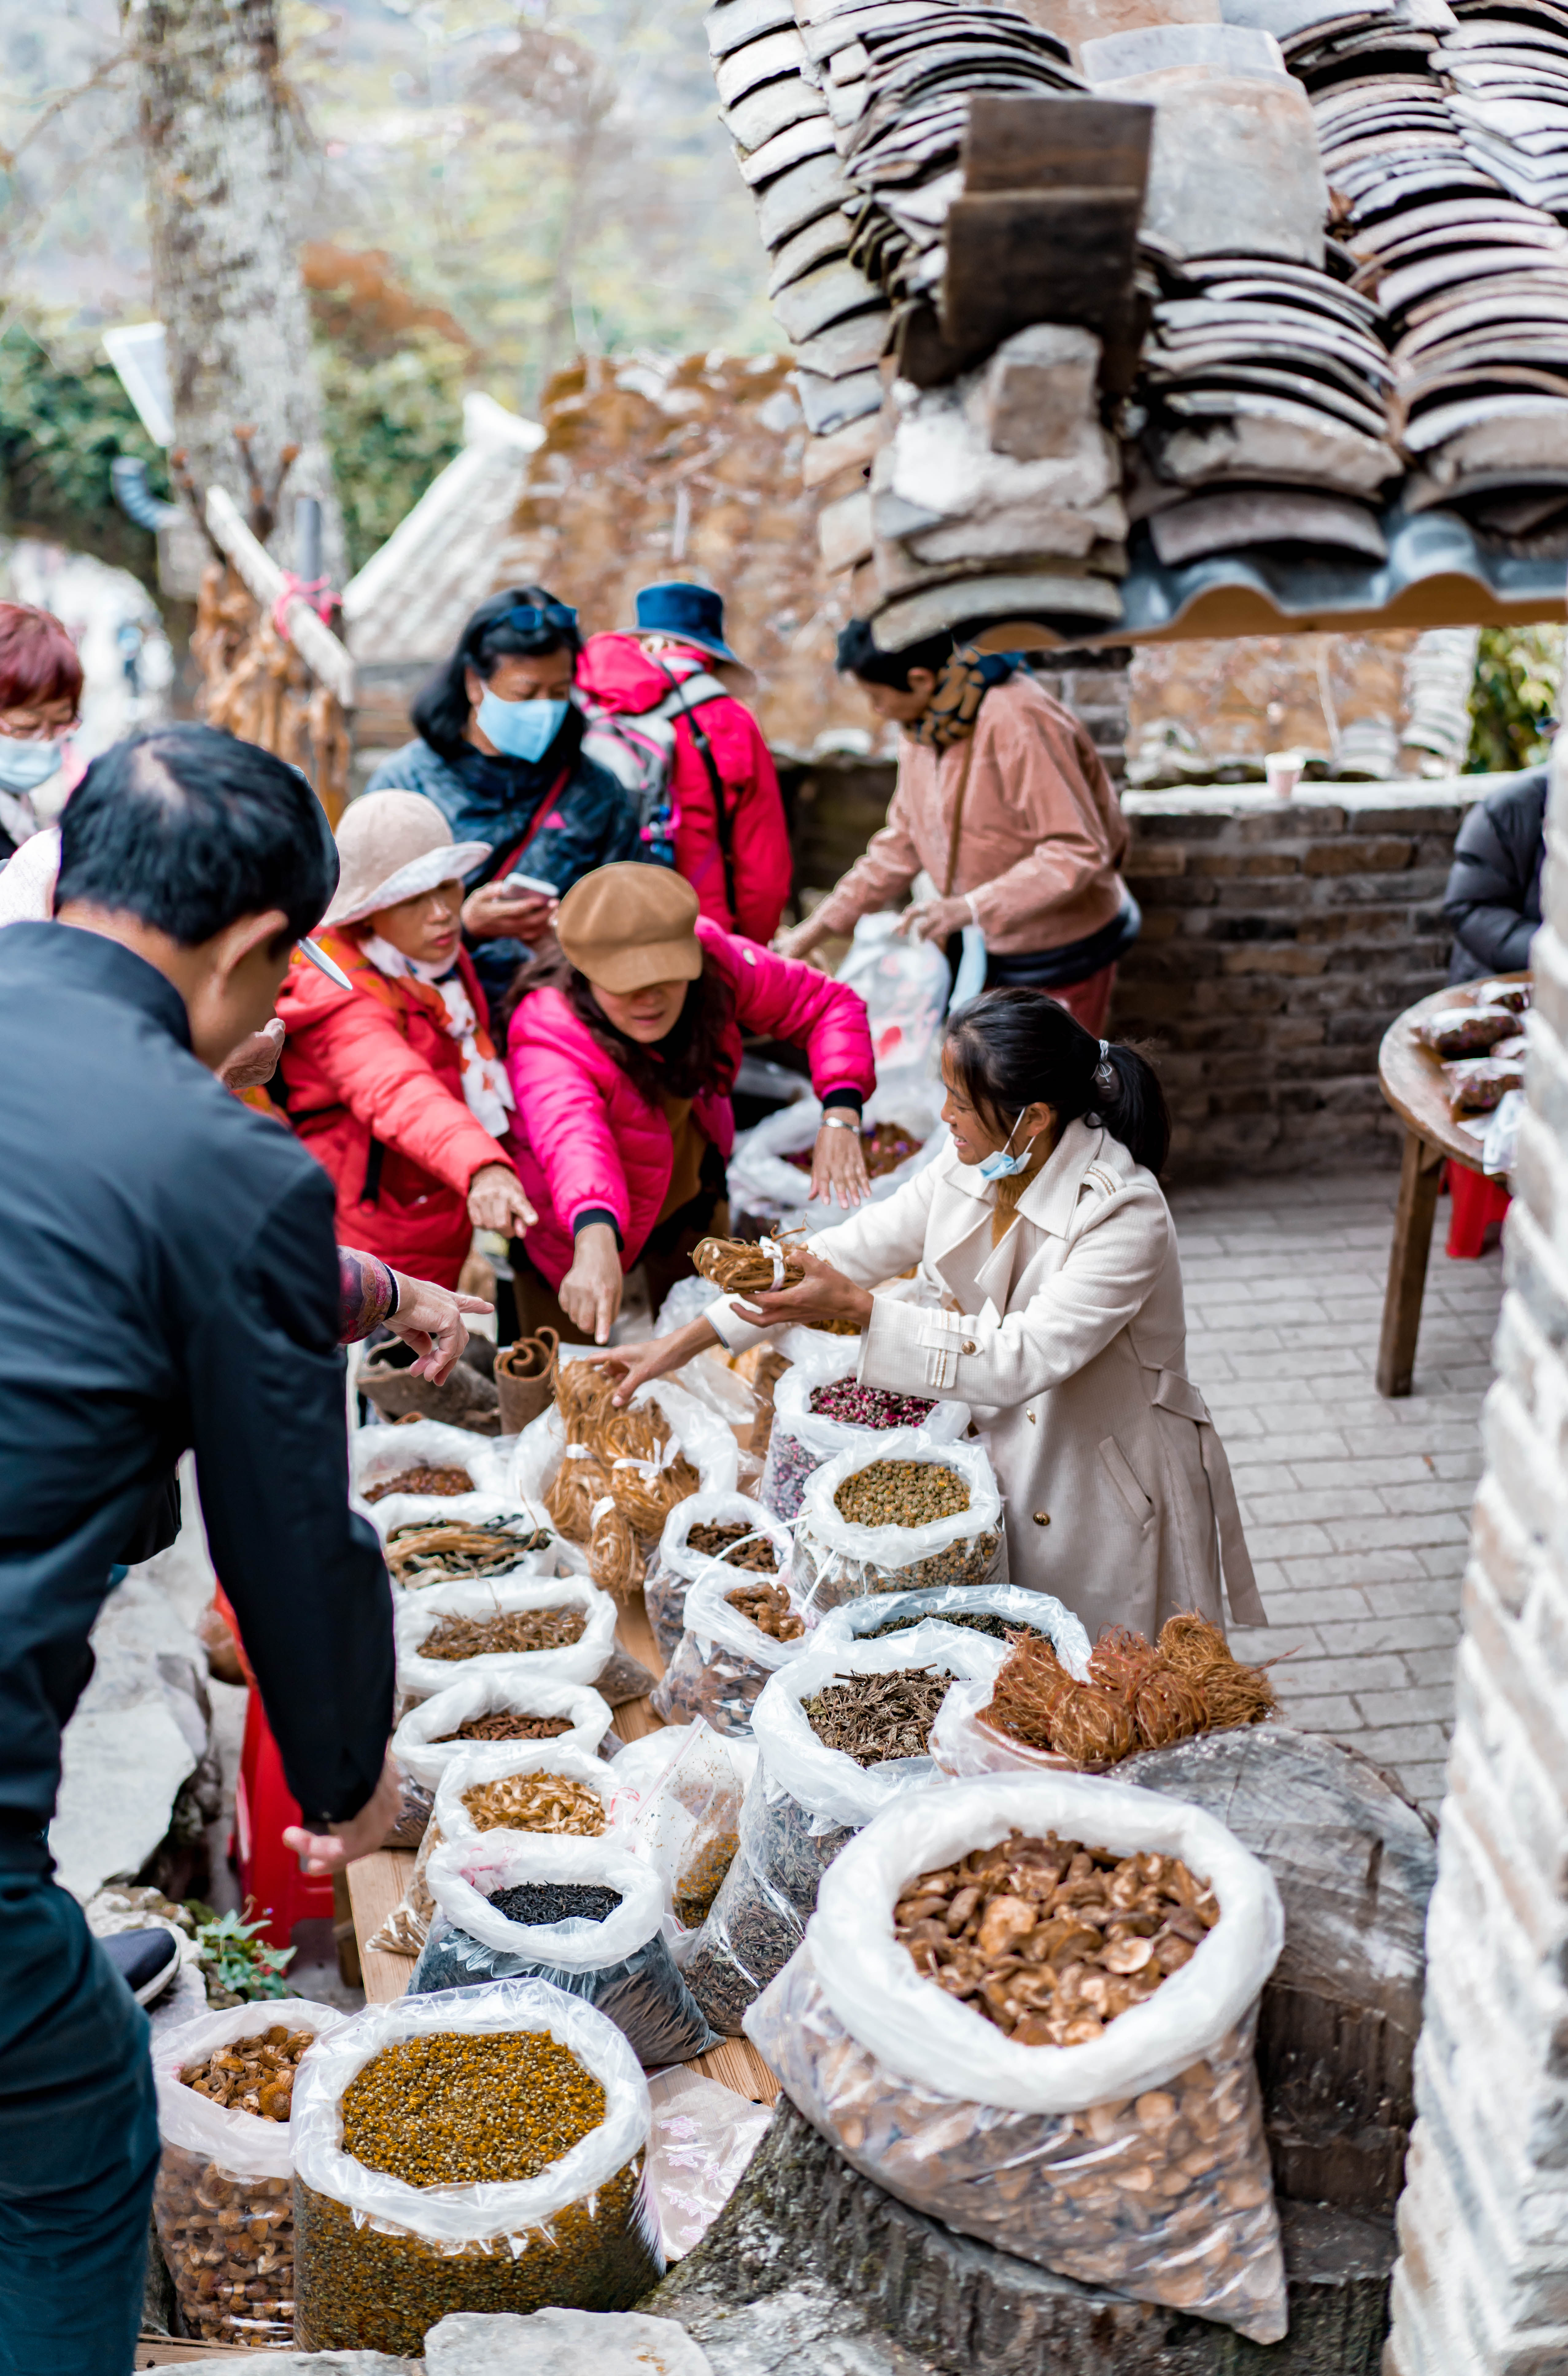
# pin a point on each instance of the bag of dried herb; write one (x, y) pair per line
(819, 1410)
(1135, 2158)
(222, 2205)
(481, 2150)
(806, 1800)
(557, 1630)
(909, 1514)
(380, 1457)
(678, 1796)
(730, 1527)
(483, 1706)
(727, 1652)
(511, 1906)
(638, 1447)
(993, 1608)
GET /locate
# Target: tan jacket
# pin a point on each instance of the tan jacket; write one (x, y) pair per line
(1042, 832)
(1068, 1342)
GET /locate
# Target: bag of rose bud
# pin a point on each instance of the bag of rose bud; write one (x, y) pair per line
(998, 1610)
(724, 1658)
(803, 1437)
(617, 1960)
(387, 2243)
(804, 1803)
(430, 1734)
(677, 1562)
(839, 1557)
(1135, 2159)
(222, 2205)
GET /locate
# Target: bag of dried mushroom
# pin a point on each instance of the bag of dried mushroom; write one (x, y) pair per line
(1027, 2009)
(730, 1527)
(586, 1915)
(740, 1629)
(557, 1630)
(221, 2205)
(484, 1705)
(807, 1799)
(904, 1515)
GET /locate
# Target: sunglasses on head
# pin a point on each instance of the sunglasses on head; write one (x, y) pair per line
(528, 617)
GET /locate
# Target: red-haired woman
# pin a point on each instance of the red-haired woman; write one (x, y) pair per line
(40, 691)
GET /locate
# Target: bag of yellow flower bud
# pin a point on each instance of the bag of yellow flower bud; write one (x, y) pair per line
(481, 2150)
(908, 1515)
(758, 1544)
(727, 1654)
(585, 1915)
(820, 1411)
(805, 1801)
(502, 1707)
(553, 1630)
(222, 2204)
(1133, 2156)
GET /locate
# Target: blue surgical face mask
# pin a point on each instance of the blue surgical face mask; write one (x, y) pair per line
(524, 729)
(24, 766)
(1002, 1165)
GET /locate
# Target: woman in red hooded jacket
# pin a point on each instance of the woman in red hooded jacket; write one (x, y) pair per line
(394, 1084)
(621, 1054)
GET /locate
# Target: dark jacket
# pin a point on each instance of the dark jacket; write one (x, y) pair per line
(170, 1280)
(1494, 895)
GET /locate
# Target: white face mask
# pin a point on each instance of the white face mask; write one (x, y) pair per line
(24, 766)
(1002, 1165)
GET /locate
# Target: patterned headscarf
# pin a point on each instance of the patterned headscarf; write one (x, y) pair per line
(964, 681)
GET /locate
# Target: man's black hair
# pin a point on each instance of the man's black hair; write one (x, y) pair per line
(858, 655)
(189, 829)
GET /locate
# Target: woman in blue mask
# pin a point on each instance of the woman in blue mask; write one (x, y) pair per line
(40, 691)
(1046, 1294)
(500, 752)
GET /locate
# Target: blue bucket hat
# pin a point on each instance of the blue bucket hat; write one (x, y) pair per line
(693, 613)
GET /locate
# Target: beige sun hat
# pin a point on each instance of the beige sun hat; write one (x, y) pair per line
(392, 846)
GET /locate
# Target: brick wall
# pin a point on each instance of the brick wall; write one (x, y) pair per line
(1481, 2288)
(1280, 939)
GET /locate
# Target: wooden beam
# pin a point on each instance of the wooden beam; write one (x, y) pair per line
(325, 658)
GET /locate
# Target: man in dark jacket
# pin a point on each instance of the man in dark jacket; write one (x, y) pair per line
(1494, 895)
(174, 1250)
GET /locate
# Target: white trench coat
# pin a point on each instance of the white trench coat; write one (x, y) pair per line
(1068, 1342)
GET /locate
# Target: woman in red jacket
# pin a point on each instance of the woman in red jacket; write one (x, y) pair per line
(621, 1054)
(393, 1085)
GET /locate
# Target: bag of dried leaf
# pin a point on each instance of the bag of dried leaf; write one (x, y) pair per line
(221, 2205)
(805, 1801)
(993, 1608)
(730, 1527)
(585, 1915)
(740, 1629)
(904, 1515)
(481, 2150)
(1132, 2155)
(483, 1706)
(820, 1411)
(555, 1631)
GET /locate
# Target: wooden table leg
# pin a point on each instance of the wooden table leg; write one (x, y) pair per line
(1420, 1177)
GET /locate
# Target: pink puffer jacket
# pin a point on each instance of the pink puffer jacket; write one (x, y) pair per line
(584, 1138)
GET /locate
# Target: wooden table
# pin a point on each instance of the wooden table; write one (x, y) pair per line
(377, 1883)
(1411, 1078)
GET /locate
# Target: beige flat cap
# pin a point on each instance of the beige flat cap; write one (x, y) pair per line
(627, 925)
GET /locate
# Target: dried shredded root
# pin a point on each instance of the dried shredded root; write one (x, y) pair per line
(582, 1390)
(580, 1482)
(1141, 1695)
(1232, 1694)
(614, 1562)
(737, 1266)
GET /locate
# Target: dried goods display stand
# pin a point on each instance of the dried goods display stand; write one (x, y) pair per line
(1411, 1078)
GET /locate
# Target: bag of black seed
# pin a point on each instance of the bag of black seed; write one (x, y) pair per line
(728, 1527)
(481, 2150)
(907, 1514)
(222, 2204)
(1135, 2158)
(806, 1801)
(727, 1654)
(820, 1411)
(485, 1707)
(585, 1915)
(993, 1608)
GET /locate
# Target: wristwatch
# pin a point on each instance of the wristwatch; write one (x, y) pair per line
(841, 1121)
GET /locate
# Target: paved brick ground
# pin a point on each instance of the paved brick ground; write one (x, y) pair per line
(1356, 1510)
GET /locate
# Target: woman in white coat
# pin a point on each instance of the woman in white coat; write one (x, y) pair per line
(1048, 1297)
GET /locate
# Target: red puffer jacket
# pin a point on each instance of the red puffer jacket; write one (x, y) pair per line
(373, 1080)
(584, 1137)
(619, 676)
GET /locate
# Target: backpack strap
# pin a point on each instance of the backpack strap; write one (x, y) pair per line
(679, 702)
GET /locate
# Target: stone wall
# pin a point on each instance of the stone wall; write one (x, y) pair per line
(1482, 2287)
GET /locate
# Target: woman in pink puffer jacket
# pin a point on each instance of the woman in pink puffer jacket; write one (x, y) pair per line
(622, 1055)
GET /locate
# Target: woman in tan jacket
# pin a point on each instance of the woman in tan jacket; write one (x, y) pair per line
(1048, 1297)
(1003, 801)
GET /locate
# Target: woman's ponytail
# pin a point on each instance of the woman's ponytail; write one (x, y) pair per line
(1012, 1048)
(1129, 1102)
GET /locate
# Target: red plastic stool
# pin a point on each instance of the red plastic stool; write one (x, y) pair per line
(1476, 1201)
(269, 1872)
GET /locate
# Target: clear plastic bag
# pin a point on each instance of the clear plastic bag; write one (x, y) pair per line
(836, 1560)
(682, 1808)
(695, 1429)
(966, 1747)
(223, 2203)
(622, 1966)
(1003, 1605)
(675, 1564)
(723, 1659)
(703, 2136)
(583, 1662)
(1467, 1030)
(804, 1439)
(421, 1750)
(376, 1453)
(1137, 2161)
(379, 2261)
(906, 986)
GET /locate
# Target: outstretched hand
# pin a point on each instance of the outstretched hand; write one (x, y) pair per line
(429, 1318)
(360, 1837)
(632, 1365)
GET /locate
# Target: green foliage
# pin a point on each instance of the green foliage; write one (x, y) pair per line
(1518, 678)
(63, 417)
(237, 1958)
(392, 424)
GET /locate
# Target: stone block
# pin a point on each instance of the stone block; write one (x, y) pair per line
(563, 2343)
(1033, 397)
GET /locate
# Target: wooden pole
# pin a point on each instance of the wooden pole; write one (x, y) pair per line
(318, 645)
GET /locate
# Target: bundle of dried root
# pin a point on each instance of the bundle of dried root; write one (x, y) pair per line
(1231, 1693)
(1139, 1695)
(1041, 1704)
(580, 1482)
(582, 1390)
(419, 1554)
(738, 1266)
(614, 1562)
